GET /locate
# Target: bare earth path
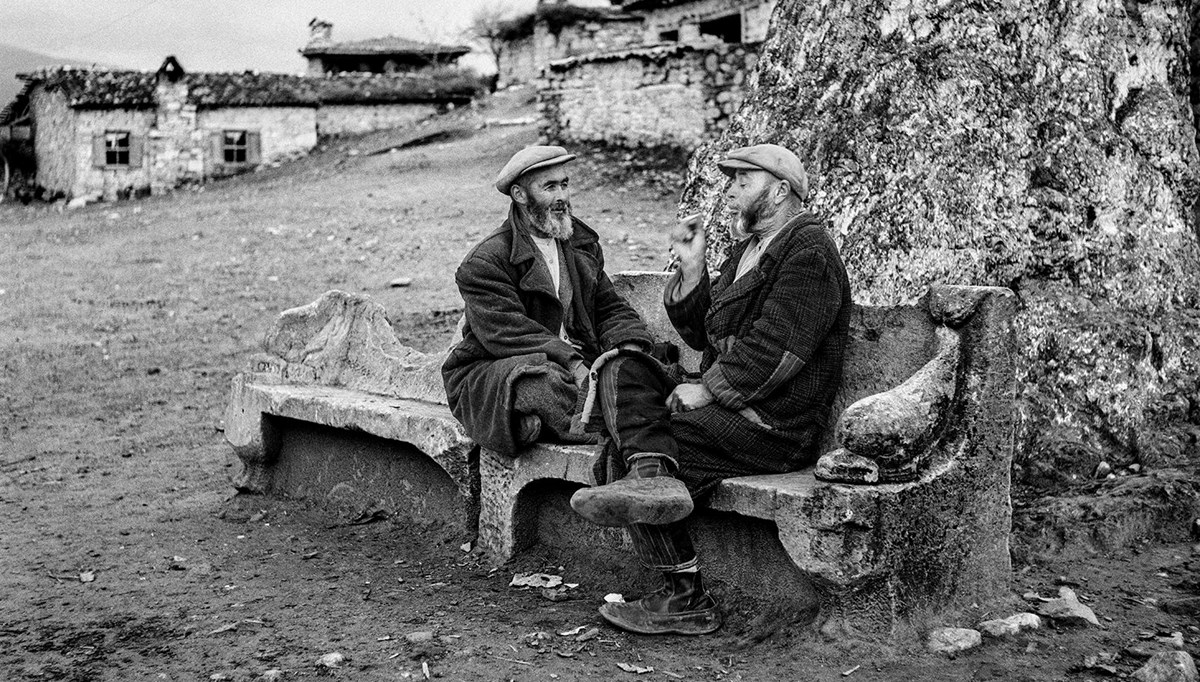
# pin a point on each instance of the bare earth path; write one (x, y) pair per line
(125, 554)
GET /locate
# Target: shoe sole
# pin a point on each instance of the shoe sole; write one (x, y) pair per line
(652, 501)
(687, 623)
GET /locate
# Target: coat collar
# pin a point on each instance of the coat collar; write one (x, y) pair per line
(523, 249)
(754, 278)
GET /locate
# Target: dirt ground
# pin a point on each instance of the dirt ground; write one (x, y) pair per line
(127, 555)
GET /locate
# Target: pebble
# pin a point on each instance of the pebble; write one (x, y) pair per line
(953, 640)
(1003, 627)
(419, 637)
(1068, 610)
(1168, 666)
(332, 659)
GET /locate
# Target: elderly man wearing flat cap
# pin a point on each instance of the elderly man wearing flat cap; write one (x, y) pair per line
(542, 324)
(772, 328)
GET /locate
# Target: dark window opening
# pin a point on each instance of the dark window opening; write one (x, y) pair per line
(116, 149)
(234, 146)
(669, 36)
(727, 28)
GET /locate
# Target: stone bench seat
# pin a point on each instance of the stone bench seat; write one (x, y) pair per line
(906, 513)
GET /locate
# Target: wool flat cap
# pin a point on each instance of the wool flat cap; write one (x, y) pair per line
(529, 158)
(776, 160)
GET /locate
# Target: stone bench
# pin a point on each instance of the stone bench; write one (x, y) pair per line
(908, 512)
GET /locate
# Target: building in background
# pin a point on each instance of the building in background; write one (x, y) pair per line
(701, 21)
(559, 30)
(118, 134)
(679, 85)
(389, 54)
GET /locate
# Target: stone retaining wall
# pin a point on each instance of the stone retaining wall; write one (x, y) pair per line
(666, 95)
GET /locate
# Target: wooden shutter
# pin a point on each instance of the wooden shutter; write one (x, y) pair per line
(136, 150)
(216, 150)
(253, 147)
(98, 151)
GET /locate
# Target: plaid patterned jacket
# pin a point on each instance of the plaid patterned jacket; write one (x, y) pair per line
(774, 341)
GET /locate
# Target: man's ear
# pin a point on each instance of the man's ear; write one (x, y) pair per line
(782, 190)
(519, 194)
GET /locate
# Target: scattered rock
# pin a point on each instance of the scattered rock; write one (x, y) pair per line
(273, 675)
(953, 640)
(1168, 666)
(420, 637)
(1003, 627)
(400, 282)
(1067, 609)
(1184, 606)
(542, 580)
(1137, 651)
(332, 659)
(1175, 641)
(1103, 469)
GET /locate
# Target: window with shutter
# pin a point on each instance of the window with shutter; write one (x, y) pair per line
(116, 149)
(240, 147)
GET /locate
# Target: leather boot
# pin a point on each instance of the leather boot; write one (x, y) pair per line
(647, 494)
(681, 606)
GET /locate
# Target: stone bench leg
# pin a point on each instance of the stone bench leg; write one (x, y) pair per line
(504, 529)
(254, 439)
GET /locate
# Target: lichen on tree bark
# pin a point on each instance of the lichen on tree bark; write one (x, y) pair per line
(1047, 146)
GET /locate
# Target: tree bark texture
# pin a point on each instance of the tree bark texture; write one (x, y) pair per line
(1044, 145)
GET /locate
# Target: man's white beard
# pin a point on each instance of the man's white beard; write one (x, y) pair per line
(546, 223)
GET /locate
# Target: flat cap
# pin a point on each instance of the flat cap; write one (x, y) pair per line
(529, 158)
(776, 160)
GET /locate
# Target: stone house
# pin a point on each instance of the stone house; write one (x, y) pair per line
(556, 31)
(389, 54)
(701, 21)
(677, 88)
(122, 133)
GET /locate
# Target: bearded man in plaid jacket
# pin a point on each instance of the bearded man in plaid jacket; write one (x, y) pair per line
(772, 327)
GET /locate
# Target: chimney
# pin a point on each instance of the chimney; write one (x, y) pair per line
(319, 31)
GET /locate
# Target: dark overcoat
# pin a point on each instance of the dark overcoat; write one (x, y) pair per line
(773, 342)
(513, 315)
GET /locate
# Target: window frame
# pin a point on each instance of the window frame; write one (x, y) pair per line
(236, 147)
(113, 151)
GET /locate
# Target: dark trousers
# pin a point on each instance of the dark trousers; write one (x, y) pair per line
(701, 447)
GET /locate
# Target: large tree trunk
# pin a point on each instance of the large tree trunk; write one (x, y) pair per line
(1044, 145)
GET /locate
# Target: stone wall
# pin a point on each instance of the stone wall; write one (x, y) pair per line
(108, 181)
(342, 119)
(523, 60)
(674, 96)
(286, 131)
(54, 140)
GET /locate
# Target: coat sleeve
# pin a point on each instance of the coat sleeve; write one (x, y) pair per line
(687, 313)
(497, 317)
(798, 312)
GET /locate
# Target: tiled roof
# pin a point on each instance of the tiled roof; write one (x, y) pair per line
(384, 46)
(107, 89)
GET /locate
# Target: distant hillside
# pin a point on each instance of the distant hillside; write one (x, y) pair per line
(14, 60)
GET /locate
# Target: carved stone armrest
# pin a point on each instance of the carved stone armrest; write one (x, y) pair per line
(884, 436)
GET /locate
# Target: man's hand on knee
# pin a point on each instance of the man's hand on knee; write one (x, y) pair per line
(687, 397)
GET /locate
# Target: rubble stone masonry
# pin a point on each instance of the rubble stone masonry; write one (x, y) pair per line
(665, 95)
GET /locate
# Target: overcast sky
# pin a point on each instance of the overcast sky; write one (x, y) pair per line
(224, 35)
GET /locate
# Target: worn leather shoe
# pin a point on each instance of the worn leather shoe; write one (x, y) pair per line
(634, 500)
(681, 607)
